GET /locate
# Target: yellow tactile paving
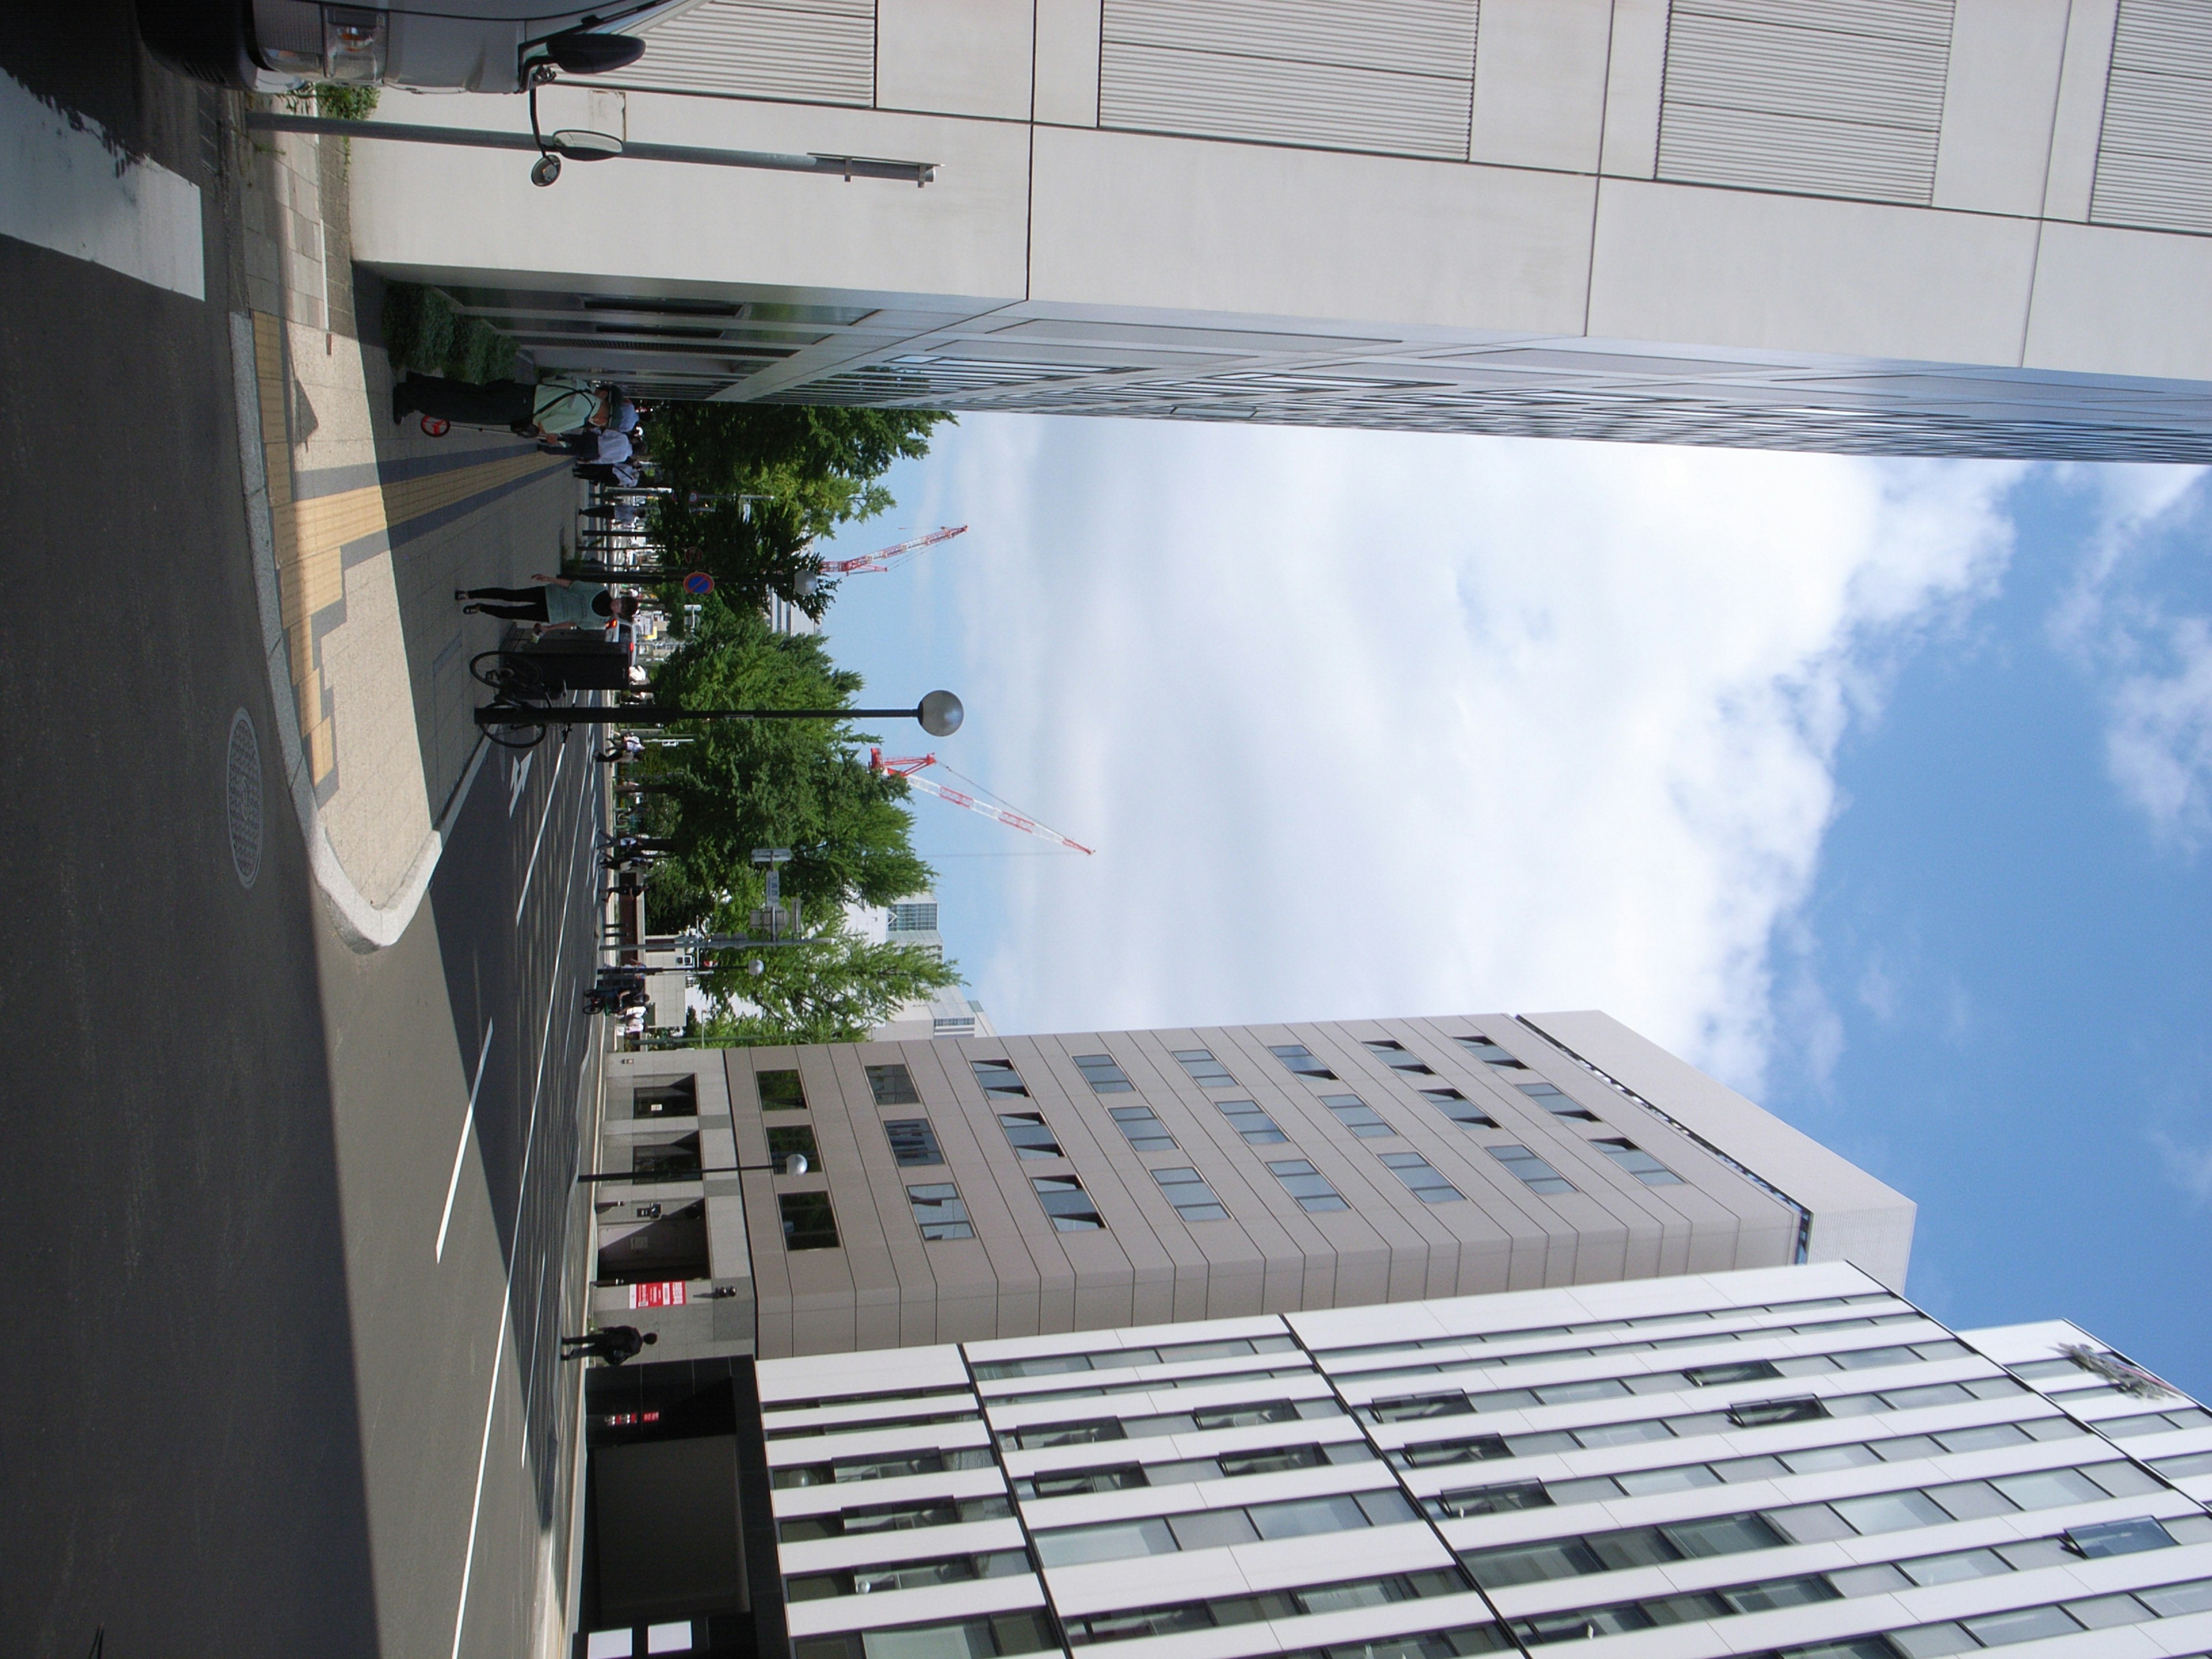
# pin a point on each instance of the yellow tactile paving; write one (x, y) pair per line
(311, 536)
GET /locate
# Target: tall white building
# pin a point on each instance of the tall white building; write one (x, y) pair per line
(1789, 1463)
(1926, 227)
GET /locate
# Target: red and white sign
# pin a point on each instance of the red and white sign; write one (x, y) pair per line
(663, 1293)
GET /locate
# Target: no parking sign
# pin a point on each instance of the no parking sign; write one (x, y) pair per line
(699, 583)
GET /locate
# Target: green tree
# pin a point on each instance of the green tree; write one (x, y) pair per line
(743, 784)
(820, 463)
(832, 989)
(751, 549)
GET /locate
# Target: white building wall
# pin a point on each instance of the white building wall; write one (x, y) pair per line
(1594, 1463)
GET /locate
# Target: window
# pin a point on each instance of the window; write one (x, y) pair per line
(1104, 1075)
(808, 1224)
(1250, 1122)
(1459, 1108)
(1356, 1115)
(913, 1142)
(1205, 1070)
(1541, 1176)
(1556, 1102)
(665, 1098)
(912, 918)
(675, 1159)
(1067, 1204)
(906, 1575)
(908, 1516)
(1722, 1376)
(1299, 1058)
(1307, 1185)
(892, 1086)
(1490, 1500)
(939, 1212)
(997, 1077)
(1198, 1530)
(779, 1091)
(1638, 1163)
(993, 1638)
(1027, 1133)
(1193, 1198)
(1418, 1173)
(891, 1466)
(1394, 1056)
(797, 1138)
(1489, 1053)
(1763, 1413)
(1127, 1624)
(1144, 1131)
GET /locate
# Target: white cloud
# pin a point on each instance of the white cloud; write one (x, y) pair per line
(1367, 724)
(2189, 1168)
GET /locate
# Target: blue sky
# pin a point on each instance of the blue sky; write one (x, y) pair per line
(1880, 790)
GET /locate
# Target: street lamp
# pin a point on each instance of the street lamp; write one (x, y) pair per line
(939, 714)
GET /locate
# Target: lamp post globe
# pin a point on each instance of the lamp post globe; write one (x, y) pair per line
(940, 714)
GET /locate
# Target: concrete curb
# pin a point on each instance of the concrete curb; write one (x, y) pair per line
(363, 924)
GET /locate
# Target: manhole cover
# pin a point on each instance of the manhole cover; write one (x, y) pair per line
(245, 792)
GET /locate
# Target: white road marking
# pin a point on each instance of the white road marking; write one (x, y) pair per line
(468, 1122)
(521, 1197)
(519, 775)
(553, 783)
(67, 186)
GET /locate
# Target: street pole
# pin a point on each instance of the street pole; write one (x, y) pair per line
(939, 712)
(835, 166)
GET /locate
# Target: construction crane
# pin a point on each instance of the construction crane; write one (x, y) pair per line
(906, 766)
(884, 558)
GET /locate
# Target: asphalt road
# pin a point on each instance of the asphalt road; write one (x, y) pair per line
(282, 1379)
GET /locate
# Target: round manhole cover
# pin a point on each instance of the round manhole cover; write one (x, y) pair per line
(245, 796)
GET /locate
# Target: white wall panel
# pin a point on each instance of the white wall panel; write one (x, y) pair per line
(1820, 97)
(2155, 151)
(820, 52)
(1393, 77)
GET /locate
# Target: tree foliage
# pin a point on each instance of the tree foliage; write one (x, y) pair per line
(743, 784)
(833, 989)
(811, 469)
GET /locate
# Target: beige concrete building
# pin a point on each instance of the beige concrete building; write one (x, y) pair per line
(1001, 1186)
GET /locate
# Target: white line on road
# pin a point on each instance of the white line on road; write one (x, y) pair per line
(68, 185)
(518, 775)
(521, 1197)
(468, 1122)
(552, 783)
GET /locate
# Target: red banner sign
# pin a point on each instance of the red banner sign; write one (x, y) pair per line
(664, 1293)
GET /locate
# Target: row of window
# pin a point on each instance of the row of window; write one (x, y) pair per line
(907, 1574)
(1416, 1407)
(1030, 1630)
(964, 1411)
(1866, 1515)
(1116, 1359)
(1653, 1345)
(1329, 1357)
(1175, 1616)
(1037, 1436)
(892, 1517)
(1682, 1477)
(889, 1466)
(1995, 1630)
(1200, 1529)
(1154, 1385)
(1750, 1414)
(1229, 1465)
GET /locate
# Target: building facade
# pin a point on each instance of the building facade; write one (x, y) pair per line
(1792, 1462)
(994, 1187)
(1894, 227)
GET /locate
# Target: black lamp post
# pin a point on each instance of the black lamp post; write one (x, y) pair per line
(939, 714)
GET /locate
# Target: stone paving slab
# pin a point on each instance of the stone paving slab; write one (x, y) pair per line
(367, 527)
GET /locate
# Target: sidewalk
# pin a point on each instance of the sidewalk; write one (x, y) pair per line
(362, 529)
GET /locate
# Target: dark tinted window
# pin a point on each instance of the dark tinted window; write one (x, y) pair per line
(913, 1141)
(808, 1224)
(779, 1091)
(892, 1086)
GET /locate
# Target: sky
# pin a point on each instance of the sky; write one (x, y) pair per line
(1880, 790)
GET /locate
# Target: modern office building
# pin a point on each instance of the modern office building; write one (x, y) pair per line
(949, 1013)
(1895, 227)
(1791, 1463)
(992, 1187)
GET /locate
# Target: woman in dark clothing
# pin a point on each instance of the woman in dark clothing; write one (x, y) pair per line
(560, 603)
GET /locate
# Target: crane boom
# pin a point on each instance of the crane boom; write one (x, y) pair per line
(883, 558)
(906, 766)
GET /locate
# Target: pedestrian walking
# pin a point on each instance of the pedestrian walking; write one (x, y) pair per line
(613, 1344)
(627, 746)
(551, 409)
(556, 602)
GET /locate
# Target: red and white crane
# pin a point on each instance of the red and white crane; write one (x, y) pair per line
(906, 766)
(884, 558)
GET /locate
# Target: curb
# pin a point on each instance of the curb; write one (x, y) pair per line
(364, 926)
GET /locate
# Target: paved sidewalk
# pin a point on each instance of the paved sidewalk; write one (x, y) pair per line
(365, 528)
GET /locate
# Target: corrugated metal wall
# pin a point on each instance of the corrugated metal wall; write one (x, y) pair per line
(1818, 97)
(819, 51)
(2154, 154)
(1392, 76)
